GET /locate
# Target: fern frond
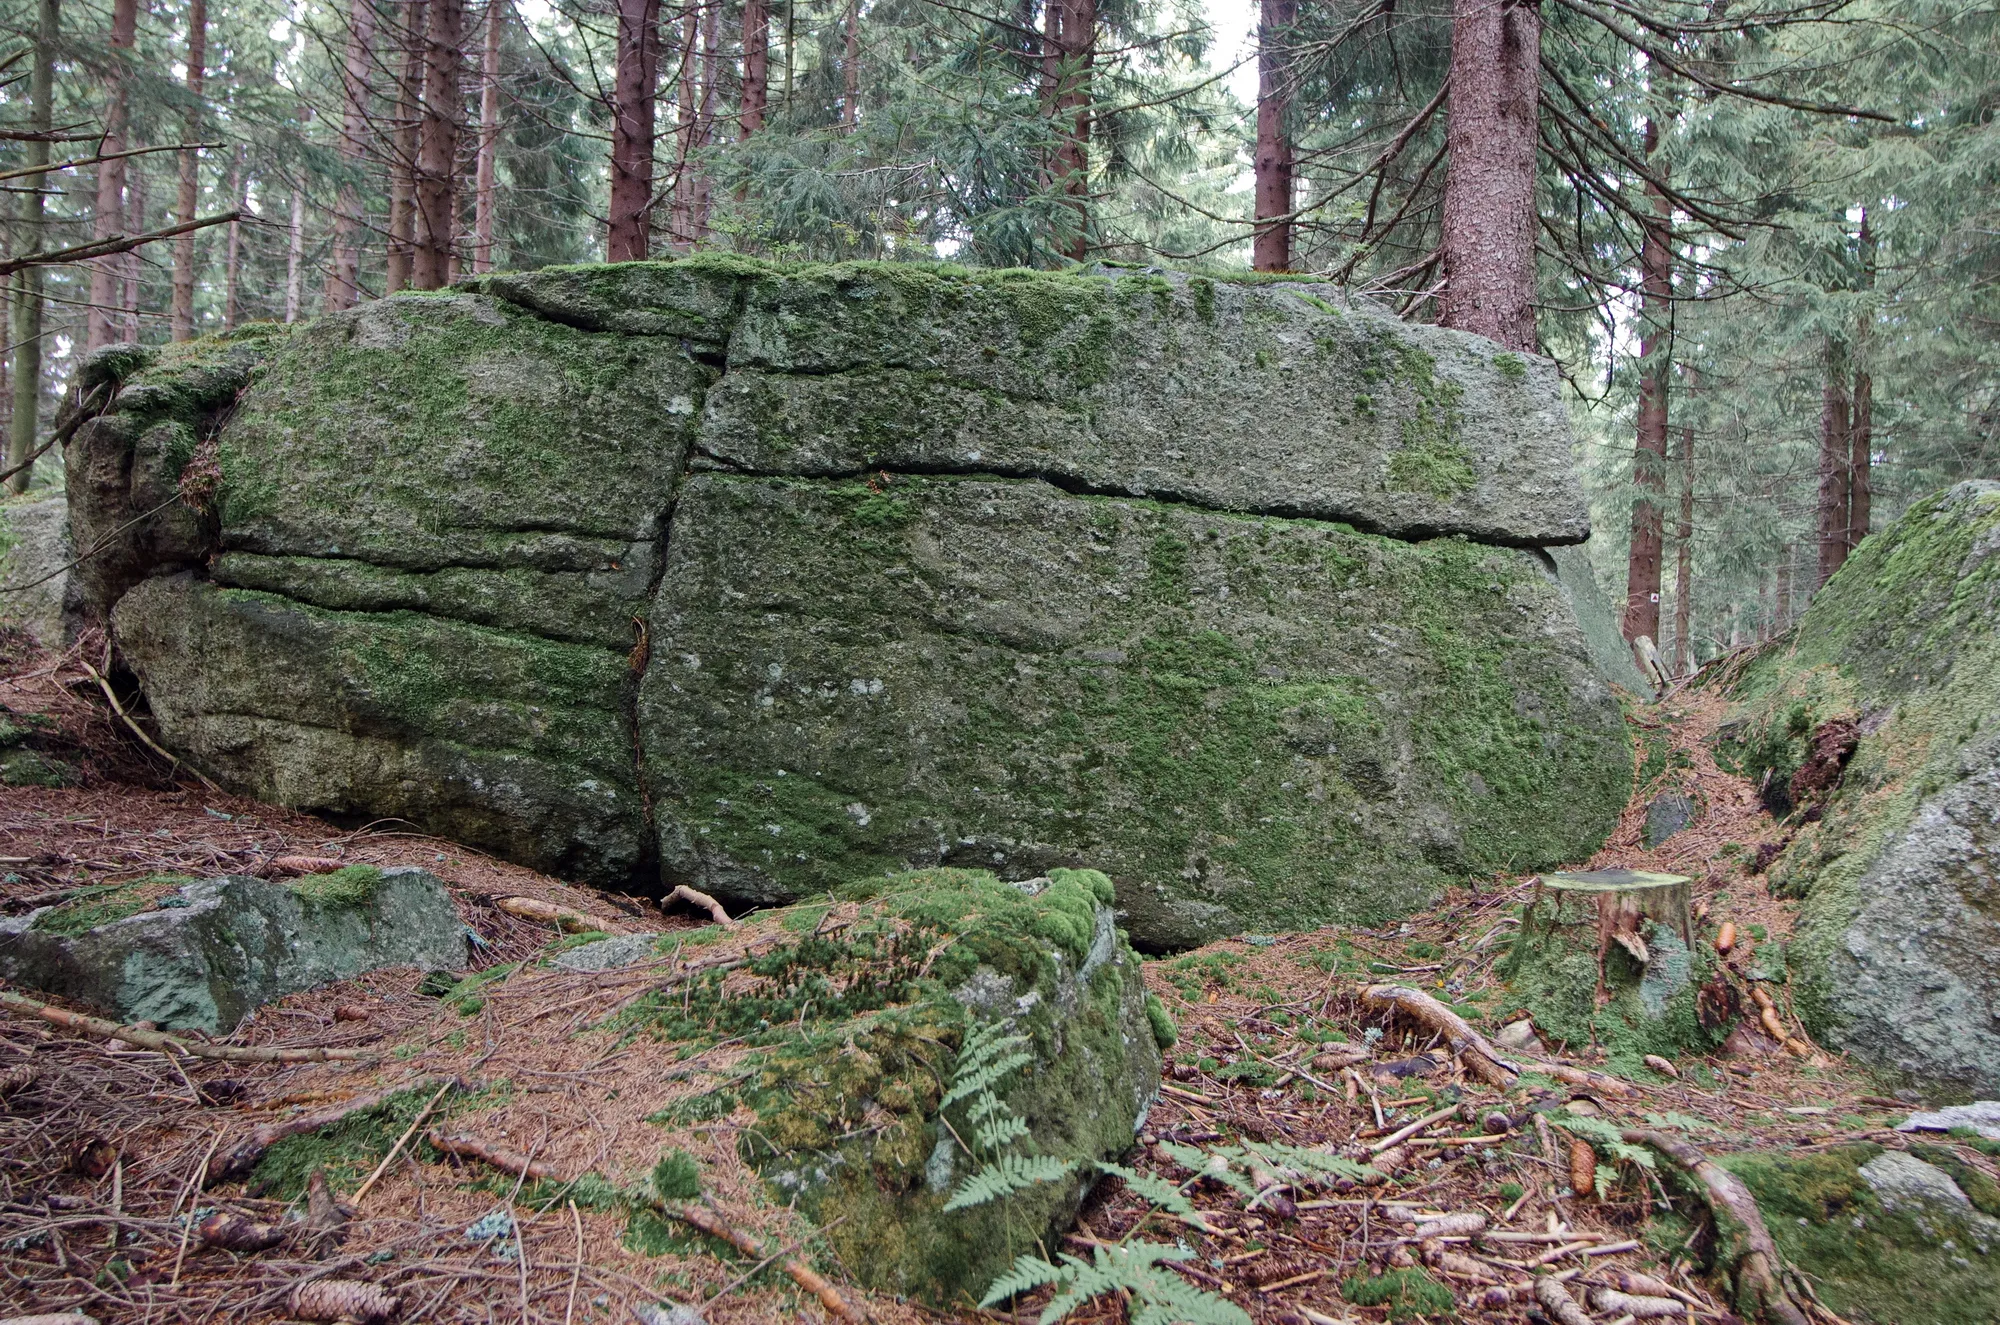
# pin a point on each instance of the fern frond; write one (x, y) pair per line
(1606, 1137)
(1028, 1274)
(966, 1084)
(1312, 1161)
(1005, 1175)
(991, 1137)
(1160, 1192)
(1159, 1297)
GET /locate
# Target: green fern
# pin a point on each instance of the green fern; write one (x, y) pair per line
(1606, 1137)
(1160, 1192)
(990, 1053)
(1159, 1296)
(1004, 1176)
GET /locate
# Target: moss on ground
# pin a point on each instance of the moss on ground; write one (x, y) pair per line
(1408, 1294)
(351, 885)
(350, 1149)
(106, 903)
(1870, 1265)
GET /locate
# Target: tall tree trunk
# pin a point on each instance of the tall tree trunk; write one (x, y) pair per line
(403, 156)
(190, 191)
(1684, 658)
(704, 119)
(437, 147)
(1271, 247)
(232, 263)
(756, 66)
(1835, 456)
(680, 226)
(102, 317)
(1649, 453)
(135, 223)
(295, 255)
(489, 139)
(634, 91)
(343, 277)
(1488, 239)
(1068, 50)
(1861, 416)
(1781, 611)
(27, 297)
(850, 66)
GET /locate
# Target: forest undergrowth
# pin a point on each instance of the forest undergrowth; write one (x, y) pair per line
(520, 1148)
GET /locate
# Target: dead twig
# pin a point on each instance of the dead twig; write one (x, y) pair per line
(168, 1044)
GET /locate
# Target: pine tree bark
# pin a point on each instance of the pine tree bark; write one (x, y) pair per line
(190, 183)
(1488, 236)
(27, 295)
(1068, 46)
(1684, 658)
(403, 153)
(343, 277)
(680, 229)
(635, 92)
(101, 320)
(1861, 412)
(136, 204)
(484, 174)
(704, 119)
(1835, 457)
(850, 66)
(1780, 615)
(1271, 244)
(232, 262)
(756, 66)
(1649, 453)
(437, 148)
(295, 256)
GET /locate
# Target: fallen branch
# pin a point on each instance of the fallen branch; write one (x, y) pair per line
(242, 1157)
(1744, 1241)
(713, 1224)
(397, 1149)
(168, 1044)
(1472, 1048)
(139, 731)
(566, 919)
(64, 430)
(507, 1161)
(683, 893)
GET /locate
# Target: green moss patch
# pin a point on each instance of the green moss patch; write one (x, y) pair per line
(107, 903)
(351, 1148)
(1407, 1294)
(352, 885)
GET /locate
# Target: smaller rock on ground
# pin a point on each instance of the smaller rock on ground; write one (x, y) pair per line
(1983, 1116)
(609, 954)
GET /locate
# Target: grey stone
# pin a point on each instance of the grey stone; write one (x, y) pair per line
(1578, 577)
(1983, 1116)
(217, 949)
(668, 1313)
(1519, 1035)
(1906, 1185)
(609, 954)
(1666, 814)
(37, 593)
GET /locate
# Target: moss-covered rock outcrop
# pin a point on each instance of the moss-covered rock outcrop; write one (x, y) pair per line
(878, 1013)
(772, 576)
(1895, 670)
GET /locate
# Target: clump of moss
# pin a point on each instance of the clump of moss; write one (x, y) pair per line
(1981, 1190)
(1165, 1033)
(351, 885)
(676, 1177)
(1407, 1293)
(107, 903)
(1432, 459)
(350, 1148)
(1867, 1263)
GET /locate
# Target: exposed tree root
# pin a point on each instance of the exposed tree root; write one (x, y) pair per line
(683, 893)
(169, 1044)
(713, 1224)
(499, 1157)
(1745, 1245)
(1481, 1059)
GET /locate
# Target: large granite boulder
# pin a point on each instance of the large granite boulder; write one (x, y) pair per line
(1874, 723)
(768, 577)
(38, 591)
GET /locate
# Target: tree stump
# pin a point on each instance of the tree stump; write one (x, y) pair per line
(1622, 899)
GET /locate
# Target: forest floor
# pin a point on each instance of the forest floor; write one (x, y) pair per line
(102, 1143)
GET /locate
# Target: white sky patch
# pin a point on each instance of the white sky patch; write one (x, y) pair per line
(1233, 40)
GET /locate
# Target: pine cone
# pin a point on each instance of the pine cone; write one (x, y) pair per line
(348, 1300)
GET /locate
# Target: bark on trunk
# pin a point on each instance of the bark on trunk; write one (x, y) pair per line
(1835, 449)
(680, 228)
(437, 147)
(343, 277)
(135, 223)
(1066, 60)
(1861, 412)
(1649, 454)
(756, 65)
(403, 154)
(102, 318)
(489, 139)
(1781, 610)
(232, 262)
(190, 190)
(1488, 239)
(1684, 561)
(295, 256)
(27, 295)
(634, 91)
(850, 66)
(704, 121)
(1271, 246)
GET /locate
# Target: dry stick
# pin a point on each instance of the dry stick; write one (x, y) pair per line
(193, 1185)
(1411, 1129)
(168, 1044)
(499, 1157)
(576, 1271)
(397, 1149)
(1472, 1048)
(802, 1274)
(1758, 1289)
(684, 893)
(139, 731)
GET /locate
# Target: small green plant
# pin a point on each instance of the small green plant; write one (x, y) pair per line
(676, 1177)
(1407, 1293)
(1158, 1296)
(990, 1053)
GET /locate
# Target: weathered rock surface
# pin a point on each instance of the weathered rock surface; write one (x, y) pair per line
(775, 576)
(37, 592)
(1897, 954)
(206, 954)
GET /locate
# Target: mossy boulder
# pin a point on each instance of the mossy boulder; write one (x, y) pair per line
(192, 955)
(1896, 956)
(38, 593)
(1233, 591)
(867, 1016)
(1886, 1239)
